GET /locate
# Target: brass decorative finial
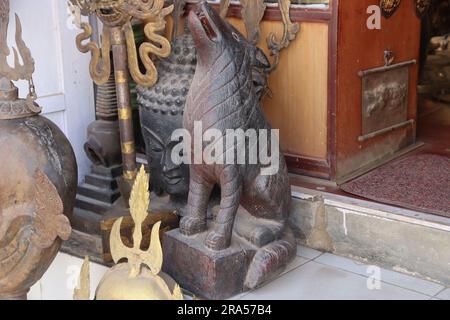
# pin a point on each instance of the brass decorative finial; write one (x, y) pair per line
(84, 290)
(140, 277)
(115, 15)
(252, 13)
(289, 33)
(139, 203)
(11, 106)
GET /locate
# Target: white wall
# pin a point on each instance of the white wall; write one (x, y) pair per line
(61, 78)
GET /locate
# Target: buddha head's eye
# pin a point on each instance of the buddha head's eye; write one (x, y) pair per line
(157, 149)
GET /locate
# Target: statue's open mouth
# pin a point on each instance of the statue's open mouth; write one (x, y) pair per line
(107, 11)
(204, 18)
(110, 15)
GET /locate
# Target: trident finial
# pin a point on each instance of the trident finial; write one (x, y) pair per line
(153, 257)
(139, 202)
(20, 71)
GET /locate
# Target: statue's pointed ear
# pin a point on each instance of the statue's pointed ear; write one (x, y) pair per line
(261, 60)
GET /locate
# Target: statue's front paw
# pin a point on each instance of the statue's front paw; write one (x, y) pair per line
(262, 236)
(217, 241)
(190, 226)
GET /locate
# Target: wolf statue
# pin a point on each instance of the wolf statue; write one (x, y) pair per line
(224, 95)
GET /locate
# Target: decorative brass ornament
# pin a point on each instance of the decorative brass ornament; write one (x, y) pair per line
(422, 7)
(11, 106)
(139, 203)
(289, 34)
(118, 14)
(100, 66)
(49, 222)
(389, 7)
(118, 37)
(140, 278)
(252, 13)
(83, 292)
(162, 49)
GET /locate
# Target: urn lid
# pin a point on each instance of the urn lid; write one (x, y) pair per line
(11, 106)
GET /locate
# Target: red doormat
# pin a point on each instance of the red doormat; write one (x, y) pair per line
(419, 182)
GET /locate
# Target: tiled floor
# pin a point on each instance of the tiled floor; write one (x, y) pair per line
(312, 275)
(316, 275)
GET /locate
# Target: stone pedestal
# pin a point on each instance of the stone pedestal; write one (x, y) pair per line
(206, 273)
(95, 197)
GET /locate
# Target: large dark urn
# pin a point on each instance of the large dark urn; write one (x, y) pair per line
(37, 192)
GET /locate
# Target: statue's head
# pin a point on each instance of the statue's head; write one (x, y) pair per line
(161, 112)
(213, 36)
(217, 40)
(166, 176)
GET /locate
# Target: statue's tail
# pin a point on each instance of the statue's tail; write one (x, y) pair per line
(270, 260)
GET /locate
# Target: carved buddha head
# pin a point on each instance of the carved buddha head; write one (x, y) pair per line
(161, 113)
(167, 176)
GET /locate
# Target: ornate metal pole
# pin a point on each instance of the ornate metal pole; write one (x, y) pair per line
(118, 35)
(121, 72)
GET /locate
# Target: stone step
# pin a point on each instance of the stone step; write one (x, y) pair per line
(101, 181)
(100, 194)
(112, 172)
(88, 204)
(403, 240)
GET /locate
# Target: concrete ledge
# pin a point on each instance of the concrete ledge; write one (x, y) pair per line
(406, 241)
